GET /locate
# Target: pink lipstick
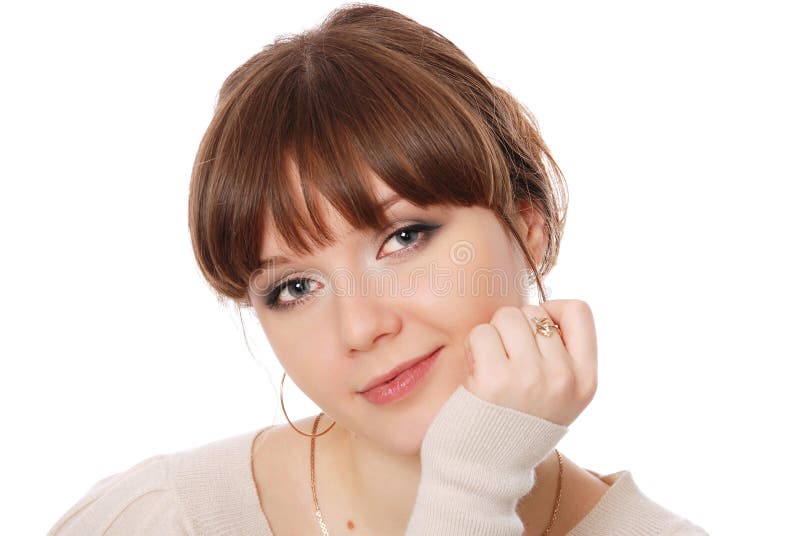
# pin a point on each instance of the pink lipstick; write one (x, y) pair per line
(403, 383)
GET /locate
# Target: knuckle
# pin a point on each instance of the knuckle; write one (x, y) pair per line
(562, 382)
(475, 330)
(505, 314)
(533, 310)
(588, 390)
(582, 308)
(584, 397)
(478, 332)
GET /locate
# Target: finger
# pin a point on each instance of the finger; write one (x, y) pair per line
(488, 354)
(551, 347)
(517, 337)
(579, 338)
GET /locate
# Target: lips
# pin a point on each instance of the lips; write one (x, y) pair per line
(378, 380)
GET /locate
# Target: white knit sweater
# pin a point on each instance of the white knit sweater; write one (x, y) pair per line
(477, 461)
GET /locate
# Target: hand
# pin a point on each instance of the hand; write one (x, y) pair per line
(513, 366)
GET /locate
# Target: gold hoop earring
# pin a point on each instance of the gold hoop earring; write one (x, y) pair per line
(289, 420)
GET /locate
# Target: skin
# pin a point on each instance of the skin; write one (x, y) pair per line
(367, 331)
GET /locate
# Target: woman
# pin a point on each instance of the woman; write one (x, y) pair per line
(444, 392)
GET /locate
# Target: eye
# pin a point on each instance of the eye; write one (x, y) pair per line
(297, 286)
(409, 234)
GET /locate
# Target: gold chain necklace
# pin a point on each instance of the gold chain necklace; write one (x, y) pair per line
(324, 527)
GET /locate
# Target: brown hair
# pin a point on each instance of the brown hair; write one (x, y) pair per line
(367, 89)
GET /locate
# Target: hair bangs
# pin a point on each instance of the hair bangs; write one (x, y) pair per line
(353, 117)
(303, 124)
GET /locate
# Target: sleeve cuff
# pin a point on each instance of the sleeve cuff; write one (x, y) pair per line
(478, 460)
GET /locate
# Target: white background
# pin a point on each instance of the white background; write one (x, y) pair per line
(675, 124)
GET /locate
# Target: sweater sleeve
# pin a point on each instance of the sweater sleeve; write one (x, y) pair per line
(140, 500)
(477, 460)
(684, 527)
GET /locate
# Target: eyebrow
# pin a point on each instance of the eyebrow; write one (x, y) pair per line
(271, 262)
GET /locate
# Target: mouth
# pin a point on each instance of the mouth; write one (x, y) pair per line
(395, 372)
(408, 381)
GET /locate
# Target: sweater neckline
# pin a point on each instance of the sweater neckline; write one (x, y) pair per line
(229, 502)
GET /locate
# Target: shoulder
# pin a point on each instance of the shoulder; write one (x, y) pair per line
(139, 500)
(165, 494)
(281, 455)
(624, 508)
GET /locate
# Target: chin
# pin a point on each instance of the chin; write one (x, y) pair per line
(400, 427)
(405, 437)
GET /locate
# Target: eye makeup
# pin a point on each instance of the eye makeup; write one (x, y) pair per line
(418, 233)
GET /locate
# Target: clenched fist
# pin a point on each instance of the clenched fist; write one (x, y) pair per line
(552, 377)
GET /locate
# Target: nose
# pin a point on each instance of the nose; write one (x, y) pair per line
(368, 312)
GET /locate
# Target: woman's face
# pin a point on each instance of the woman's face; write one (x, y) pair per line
(372, 301)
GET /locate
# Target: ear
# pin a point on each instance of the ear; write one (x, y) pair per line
(531, 227)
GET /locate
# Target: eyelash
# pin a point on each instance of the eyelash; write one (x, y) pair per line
(272, 298)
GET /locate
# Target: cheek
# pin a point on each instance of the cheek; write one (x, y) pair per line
(459, 292)
(308, 360)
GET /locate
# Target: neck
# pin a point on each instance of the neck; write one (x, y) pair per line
(381, 486)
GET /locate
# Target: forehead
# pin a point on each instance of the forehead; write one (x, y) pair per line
(272, 244)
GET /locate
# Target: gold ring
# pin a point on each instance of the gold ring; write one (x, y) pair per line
(543, 325)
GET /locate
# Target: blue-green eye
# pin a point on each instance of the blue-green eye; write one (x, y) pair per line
(405, 234)
(299, 286)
